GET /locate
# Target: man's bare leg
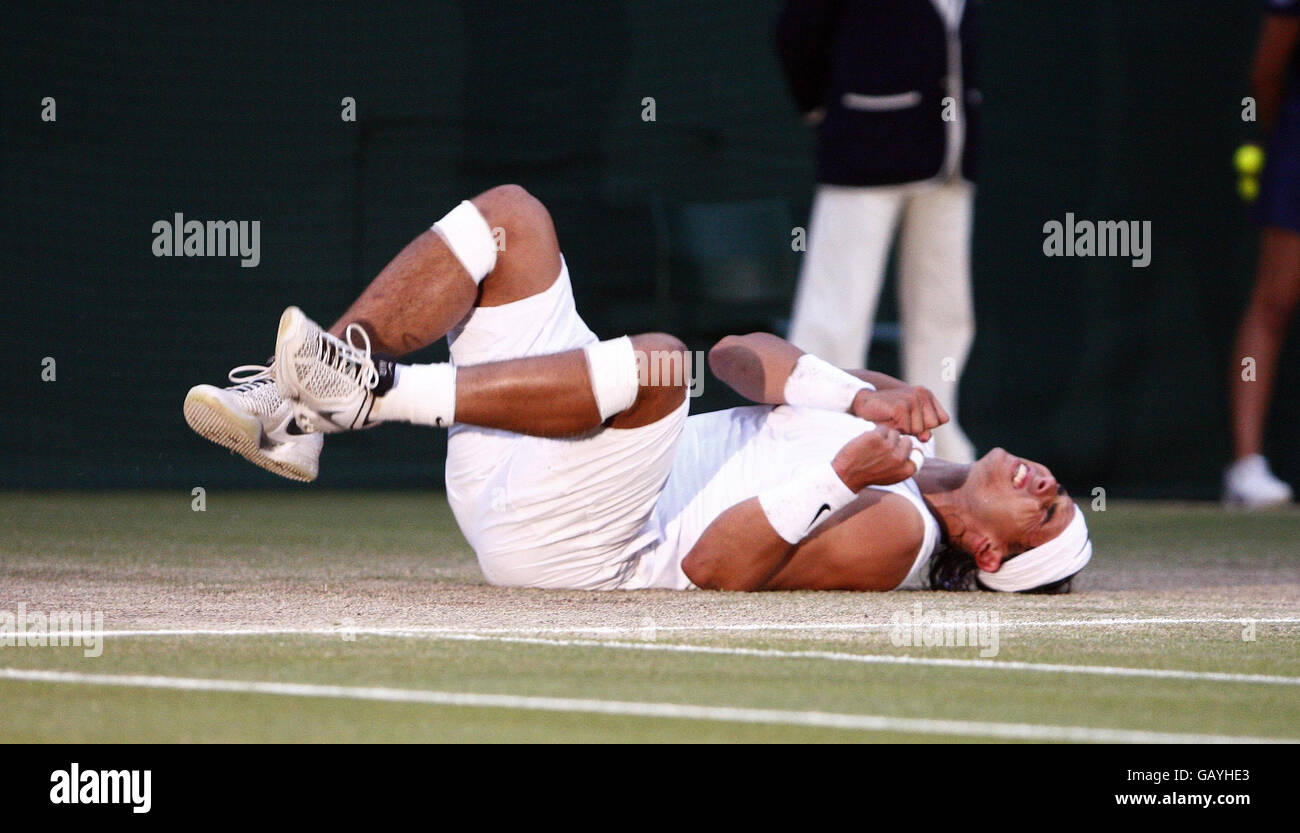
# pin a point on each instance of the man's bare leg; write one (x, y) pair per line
(1248, 480)
(1262, 331)
(552, 396)
(425, 291)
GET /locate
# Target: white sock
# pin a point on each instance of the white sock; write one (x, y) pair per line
(424, 394)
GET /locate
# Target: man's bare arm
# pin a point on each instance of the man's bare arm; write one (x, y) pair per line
(758, 366)
(878, 380)
(742, 550)
(738, 551)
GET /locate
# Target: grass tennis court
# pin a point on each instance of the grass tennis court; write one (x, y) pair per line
(333, 616)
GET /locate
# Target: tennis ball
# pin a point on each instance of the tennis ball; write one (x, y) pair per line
(1249, 159)
(1248, 188)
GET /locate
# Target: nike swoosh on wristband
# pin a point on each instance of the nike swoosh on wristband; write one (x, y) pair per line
(826, 507)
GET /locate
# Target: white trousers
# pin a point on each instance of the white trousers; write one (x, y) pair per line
(850, 234)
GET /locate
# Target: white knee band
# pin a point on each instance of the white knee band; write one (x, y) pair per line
(614, 378)
(815, 383)
(469, 238)
(801, 504)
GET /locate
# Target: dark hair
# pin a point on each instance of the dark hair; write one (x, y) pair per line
(954, 569)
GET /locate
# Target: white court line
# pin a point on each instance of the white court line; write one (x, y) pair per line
(724, 714)
(894, 659)
(633, 631)
(496, 635)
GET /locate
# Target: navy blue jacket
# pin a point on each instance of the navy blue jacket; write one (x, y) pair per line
(880, 69)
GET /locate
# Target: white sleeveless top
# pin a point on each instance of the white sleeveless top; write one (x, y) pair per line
(729, 456)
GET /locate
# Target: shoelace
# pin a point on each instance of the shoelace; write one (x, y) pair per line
(248, 376)
(351, 360)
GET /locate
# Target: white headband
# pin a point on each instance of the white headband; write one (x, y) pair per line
(1059, 558)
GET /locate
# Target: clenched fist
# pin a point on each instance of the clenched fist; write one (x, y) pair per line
(910, 410)
(875, 458)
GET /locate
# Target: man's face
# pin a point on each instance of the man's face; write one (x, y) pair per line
(1016, 505)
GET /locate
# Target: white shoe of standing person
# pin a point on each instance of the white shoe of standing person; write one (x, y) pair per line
(1248, 482)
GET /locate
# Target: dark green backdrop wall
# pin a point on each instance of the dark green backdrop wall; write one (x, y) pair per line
(1113, 375)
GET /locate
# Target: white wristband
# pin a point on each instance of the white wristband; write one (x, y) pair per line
(798, 506)
(815, 383)
(917, 454)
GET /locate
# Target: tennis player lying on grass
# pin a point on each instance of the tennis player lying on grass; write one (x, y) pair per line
(572, 462)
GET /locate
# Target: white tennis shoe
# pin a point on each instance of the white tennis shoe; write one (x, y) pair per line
(1249, 482)
(251, 418)
(332, 383)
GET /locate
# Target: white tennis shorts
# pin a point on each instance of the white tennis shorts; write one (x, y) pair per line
(544, 512)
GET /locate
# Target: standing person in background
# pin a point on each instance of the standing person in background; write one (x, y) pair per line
(891, 90)
(1249, 481)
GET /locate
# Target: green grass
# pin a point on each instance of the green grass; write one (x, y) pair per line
(314, 559)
